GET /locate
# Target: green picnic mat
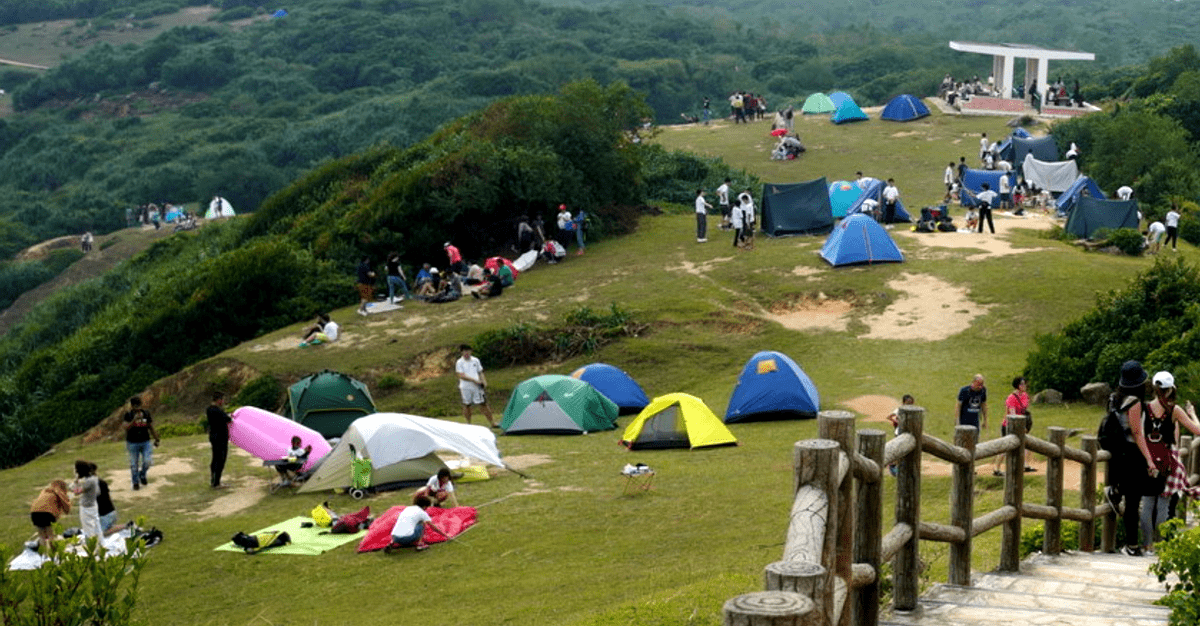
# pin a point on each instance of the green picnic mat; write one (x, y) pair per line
(308, 541)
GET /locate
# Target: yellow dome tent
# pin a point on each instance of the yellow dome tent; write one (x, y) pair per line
(676, 420)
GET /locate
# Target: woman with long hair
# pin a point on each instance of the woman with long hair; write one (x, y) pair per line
(1155, 440)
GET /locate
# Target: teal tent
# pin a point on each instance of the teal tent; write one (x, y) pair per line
(796, 208)
(1091, 214)
(848, 111)
(818, 103)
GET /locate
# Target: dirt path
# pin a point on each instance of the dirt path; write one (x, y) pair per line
(20, 64)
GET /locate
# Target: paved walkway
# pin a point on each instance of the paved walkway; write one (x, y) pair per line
(1077, 589)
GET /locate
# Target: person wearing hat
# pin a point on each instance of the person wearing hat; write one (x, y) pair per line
(1156, 441)
(1127, 470)
(456, 261)
(565, 223)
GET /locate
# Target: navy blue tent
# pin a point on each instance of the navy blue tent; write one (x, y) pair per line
(1006, 146)
(1042, 149)
(772, 387)
(973, 180)
(796, 208)
(279, 13)
(848, 111)
(1069, 198)
(904, 108)
(1092, 214)
(613, 383)
(859, 239)
(874, 191)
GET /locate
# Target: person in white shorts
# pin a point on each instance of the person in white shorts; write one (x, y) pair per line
(472, 384)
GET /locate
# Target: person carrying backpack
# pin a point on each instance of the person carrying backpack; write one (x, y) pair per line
(1127, 470)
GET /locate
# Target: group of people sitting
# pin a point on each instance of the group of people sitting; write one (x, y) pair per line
(952, 90)
(788, 148)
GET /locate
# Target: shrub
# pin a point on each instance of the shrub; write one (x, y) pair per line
(389, 383)
(72, 588)
(1128, 241)
(263, 392)
(1179, 554)
(583, 331)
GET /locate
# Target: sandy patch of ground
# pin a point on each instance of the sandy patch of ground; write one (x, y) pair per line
(930, 309)
(872, 408)
(819, 313)
(159, 476)
(992, 245)
(698, 269)
(242, 493)
(804, 271)
(526, 461)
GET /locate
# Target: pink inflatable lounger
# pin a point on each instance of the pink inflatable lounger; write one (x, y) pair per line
(269, 436)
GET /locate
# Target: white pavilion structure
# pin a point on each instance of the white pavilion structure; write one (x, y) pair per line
(1004, 56)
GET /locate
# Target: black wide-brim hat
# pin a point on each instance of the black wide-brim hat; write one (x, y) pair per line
(1132, 375)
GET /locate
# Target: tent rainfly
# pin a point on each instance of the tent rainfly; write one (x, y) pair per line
(860, 239)
(796, 208)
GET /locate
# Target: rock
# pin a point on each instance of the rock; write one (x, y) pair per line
(1095, 393)
(1048, 396)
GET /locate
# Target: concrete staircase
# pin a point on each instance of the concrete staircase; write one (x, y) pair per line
(1077, 589)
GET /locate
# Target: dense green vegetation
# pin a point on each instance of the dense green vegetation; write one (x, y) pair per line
(1155, 320)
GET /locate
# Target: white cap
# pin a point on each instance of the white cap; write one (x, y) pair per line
(1164, 380)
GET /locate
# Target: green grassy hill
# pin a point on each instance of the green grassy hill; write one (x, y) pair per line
(565, 546)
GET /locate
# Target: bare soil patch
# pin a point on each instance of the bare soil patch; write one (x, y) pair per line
(873, 408)
(993, 246)
(526, 461)
(818, 312)
(930, 309)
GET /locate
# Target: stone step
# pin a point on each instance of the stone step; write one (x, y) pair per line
(1072, 590)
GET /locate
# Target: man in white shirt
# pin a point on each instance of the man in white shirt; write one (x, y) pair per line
(409, 529)
(983, 146)
(324, 331)
(723, 203)
(472, 384)
(1172, 220)
(1154, 236)
(1124, 192)
(1005, 193)
(986, 199)
(891, 195)
(702, 208)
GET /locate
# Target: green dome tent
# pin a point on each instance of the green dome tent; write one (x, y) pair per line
(557, 405)
(328, 402)
(818, 103)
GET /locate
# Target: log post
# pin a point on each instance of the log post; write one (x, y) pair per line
(1185, 451)
(962, 507)
(839, 426)
(812, 532)
(769, 608)
(1087, 494)
(868, 531)
(1014, 496)
(804, 578)
(1052, 533)
(906, 571)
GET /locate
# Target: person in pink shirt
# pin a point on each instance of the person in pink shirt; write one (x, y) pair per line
(1017, 403)
(456, 261)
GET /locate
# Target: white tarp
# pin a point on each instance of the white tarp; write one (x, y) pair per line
(391, 438)
(526, 261)
(1056, 176)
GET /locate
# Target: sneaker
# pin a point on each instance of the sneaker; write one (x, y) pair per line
(1030, 469)
(422, 547)
(701, 240)
(390, 548)
(997, 473)
(144, 480)
(303, 344)
(137, 486)
(1113, 498)
(1131, 551)
(362, 312)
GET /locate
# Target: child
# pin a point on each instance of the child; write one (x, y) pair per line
(893, 418)
(972, 219)
(296, 456)
(439, 489)
(87, 486)
(324, 331)
(409, 529)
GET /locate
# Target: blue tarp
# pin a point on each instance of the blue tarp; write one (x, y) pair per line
(973, 181)
(796, 208)
(772, 386)
(279, 13)
(848, 111)
(904, 108)
(838, 97)
(1067, 200)
(874, 191)
(1092, 214)
(858, 239)
(613, 383)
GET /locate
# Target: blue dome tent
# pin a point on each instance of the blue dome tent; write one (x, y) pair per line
(904, 108)
(874, 191)
(838, 97)
(772, 387)
(613, 383)
(848, 111)
(842, 195)
(859, 239)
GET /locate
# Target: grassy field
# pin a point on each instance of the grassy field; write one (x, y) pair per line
(565, 546)
(50, 43)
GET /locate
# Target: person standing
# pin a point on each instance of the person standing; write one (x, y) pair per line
(395, 278)
(702, 208)
(1158, 428)
(748, 218)
(723, 203)
(1127, 471)
(1005, 193)
(948, 178)
(139, 429)
(87, 487)
(472, 384)
(1172, 220)
(986, 199)
(891, 195)
(971, 407)
(1017, 403)
(577, 225)
(983, 146)
(706, 111)
(455, 259)
(365, 283)
(218, 437)
(1124, 192)
(737, 223)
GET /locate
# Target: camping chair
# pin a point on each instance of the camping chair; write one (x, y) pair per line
(638, 477)
(289, 473)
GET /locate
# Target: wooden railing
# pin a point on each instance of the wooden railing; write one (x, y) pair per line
(830, 571)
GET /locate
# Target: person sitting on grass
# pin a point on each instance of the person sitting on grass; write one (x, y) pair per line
(324, 331)
(492, 286)
(409, 530)
(439, 489)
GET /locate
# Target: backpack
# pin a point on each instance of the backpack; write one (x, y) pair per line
(1111, 433)
(352, 522)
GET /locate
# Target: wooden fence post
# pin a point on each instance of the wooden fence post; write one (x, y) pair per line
(1087, 494)
(816, 464)
(908, 511)
(1014, 496)
(962, 506)
(1185, 449)
(868, 531)
(1052, 533)
(839, 426)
